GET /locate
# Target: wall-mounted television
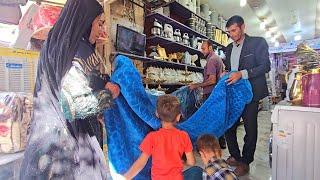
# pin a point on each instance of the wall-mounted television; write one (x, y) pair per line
(130, 41)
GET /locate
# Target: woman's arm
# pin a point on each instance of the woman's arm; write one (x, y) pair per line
(79, 99)
(99, 82)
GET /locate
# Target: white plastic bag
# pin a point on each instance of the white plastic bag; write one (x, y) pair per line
(15, 117)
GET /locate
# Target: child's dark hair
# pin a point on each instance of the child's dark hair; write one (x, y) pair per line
(208, 143)
(168, 108)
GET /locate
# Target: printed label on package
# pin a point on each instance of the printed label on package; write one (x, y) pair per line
(13, 66)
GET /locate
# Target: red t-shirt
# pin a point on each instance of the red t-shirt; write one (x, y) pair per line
(166, 146)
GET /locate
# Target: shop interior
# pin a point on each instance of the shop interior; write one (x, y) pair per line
(163, 39)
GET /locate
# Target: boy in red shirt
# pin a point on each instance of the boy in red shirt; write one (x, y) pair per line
(166, 145)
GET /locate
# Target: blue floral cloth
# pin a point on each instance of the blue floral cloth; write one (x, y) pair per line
(133, 115)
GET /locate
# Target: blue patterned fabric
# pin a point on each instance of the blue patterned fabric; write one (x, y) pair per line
(133, 115)
(189, 101)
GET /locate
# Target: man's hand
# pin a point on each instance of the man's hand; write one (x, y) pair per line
(114, 88)
(234, 77)
(223, 73)
(193, 86)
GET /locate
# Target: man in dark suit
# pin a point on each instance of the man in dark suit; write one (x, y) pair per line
(248, 57)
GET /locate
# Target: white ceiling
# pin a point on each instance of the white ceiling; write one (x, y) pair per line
(229, 8)
(280, 12)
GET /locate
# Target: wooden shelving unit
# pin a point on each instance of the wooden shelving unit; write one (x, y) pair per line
(174, 46)
(176, 25)
(160, 63)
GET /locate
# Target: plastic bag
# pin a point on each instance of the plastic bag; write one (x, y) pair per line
(15, 117)
(46, 16)
(44, 20)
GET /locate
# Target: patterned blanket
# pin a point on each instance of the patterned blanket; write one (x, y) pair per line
(133, 115)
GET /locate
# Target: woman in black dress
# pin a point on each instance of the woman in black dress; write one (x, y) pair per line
(69, 93)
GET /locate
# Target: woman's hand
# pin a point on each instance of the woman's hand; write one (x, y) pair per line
(114, 88)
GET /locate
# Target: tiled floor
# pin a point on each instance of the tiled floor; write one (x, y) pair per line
(259, 168)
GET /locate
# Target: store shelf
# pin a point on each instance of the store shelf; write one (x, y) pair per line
(166, 64)
(177, 25)
(185, 12)
(166, 84)
(133, 56)
(155, 3)
(223, 31)
(174, 46)
(154, 62)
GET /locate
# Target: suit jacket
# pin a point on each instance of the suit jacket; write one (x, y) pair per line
(255, 59)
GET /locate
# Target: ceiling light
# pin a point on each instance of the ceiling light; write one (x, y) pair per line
(268, 34)
(276, 44)
(294, 16)
(297, 37)
(262, 25)
(243, 3)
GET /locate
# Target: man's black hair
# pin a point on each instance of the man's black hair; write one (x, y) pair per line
(235, 20)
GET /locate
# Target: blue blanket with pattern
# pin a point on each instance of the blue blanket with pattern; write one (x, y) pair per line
(133, 115)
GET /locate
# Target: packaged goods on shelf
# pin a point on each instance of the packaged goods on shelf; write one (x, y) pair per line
(225, 39)
(15, 117)
(44, 20)
(218, 35)
(17, 70)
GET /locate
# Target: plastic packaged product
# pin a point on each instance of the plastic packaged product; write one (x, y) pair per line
(15, 117)
(44, 20)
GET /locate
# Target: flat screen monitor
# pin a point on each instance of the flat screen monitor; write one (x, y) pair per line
(130, 41)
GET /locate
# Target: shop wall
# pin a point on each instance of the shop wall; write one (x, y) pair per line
(125, 13)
